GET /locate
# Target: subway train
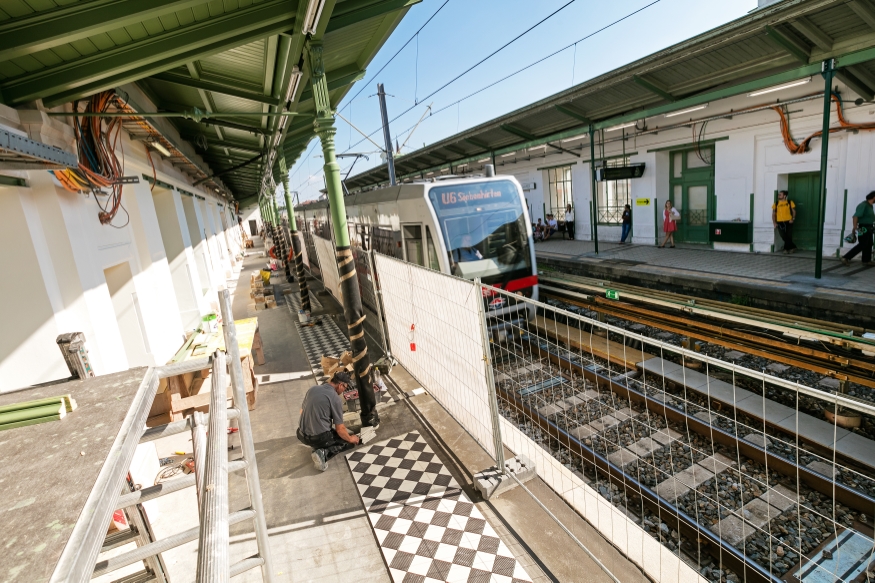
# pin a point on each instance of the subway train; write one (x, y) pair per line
(470, 227)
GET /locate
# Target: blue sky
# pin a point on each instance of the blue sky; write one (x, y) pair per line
(465, 31)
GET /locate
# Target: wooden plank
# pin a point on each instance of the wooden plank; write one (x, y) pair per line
(590, 343)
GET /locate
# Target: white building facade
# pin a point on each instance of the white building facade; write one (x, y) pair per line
(133, 287)
(730, 171)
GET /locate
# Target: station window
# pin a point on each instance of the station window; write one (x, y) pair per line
(559, 181)
(614, 195)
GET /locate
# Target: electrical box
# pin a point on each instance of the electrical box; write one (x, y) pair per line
(730, 232)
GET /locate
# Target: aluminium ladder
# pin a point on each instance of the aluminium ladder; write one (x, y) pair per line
(210, 449)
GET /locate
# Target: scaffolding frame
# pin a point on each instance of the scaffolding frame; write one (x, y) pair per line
(78, 561)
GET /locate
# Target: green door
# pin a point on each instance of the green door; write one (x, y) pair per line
(692, 193)
(804, 189)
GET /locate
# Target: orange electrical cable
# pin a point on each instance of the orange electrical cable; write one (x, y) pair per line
(803, 146)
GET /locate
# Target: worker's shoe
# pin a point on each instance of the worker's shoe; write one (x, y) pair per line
(846, 261)
(319, 459)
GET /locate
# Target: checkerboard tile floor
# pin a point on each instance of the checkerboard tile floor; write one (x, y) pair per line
(427, 528)
(325, 339)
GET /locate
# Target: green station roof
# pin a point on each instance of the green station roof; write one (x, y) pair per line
(214, 57)
(785, 41)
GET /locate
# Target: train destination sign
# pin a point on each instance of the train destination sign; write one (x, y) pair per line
(463, 196)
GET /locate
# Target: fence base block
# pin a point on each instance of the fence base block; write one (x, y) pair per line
(491, 482)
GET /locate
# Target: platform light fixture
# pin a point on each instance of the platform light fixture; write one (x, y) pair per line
(484, 160)
(508, 154)
(160, 147)
(780, 87)
(688, 110)
(575, 138)
(311, 19)
(621, 126)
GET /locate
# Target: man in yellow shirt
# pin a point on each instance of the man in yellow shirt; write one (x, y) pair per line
(783, 215)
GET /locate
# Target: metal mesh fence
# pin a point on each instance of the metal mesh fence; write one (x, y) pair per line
(328, 265)
(433, 325)
(677, 457)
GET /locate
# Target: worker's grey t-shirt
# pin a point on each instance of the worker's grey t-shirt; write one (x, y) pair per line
(323, 409)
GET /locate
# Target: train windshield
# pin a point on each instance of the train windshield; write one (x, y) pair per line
(484, 228)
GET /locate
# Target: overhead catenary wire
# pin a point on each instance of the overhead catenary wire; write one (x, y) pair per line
(518, 71)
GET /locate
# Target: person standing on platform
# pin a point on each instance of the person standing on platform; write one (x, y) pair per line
(670, 218)
(321, 425)
(627, 223)
(783, 215)
(864, 228)
(569, 222)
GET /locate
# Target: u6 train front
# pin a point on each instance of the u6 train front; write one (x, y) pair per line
(486, 232)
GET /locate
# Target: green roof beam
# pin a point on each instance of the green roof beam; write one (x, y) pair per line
(810, 31)
(787, 44)
(654, 87)
(355, 11)
(574, 114)
(512, 129)
(478, 143)
(178, 79)
(456, 150)
(859, 87)
(336, 79)
(864, 11)
(151, 55)
(43, 30)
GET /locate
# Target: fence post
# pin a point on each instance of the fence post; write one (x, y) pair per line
(490, 380)
(378, 300)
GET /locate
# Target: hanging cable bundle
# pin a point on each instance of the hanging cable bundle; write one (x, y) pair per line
(99, 170)
(803, 146)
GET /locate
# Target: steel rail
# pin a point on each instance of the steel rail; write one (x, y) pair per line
(835, 399)
(685, 524)
(801, 356)
(803, 327)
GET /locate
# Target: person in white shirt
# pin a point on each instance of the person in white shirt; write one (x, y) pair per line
(569, 222)
(552, 226)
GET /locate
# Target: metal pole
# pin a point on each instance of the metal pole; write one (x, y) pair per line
(378, 300)
(213, 564)
(593, 187)
(828, 71)
(490, 380)
(229, 329)
(199, 449)
(349, 284)
(387, 138)
(297, 248)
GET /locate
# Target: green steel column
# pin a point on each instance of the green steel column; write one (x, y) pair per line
(593, 186)
(828, 72)
(296, 241)
(352, 300)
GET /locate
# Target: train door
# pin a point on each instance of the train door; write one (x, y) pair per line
(413, 244)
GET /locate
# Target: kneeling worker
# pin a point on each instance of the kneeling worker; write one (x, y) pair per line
(321, 426)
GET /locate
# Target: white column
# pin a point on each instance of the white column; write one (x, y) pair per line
(184, 270)
(155, 291)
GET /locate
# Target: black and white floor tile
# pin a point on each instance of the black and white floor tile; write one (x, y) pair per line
(325, 338)
(427, 527)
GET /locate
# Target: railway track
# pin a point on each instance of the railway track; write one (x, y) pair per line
(812, 345)
(736, 498)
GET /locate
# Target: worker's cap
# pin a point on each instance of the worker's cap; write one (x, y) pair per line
(342, 377)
